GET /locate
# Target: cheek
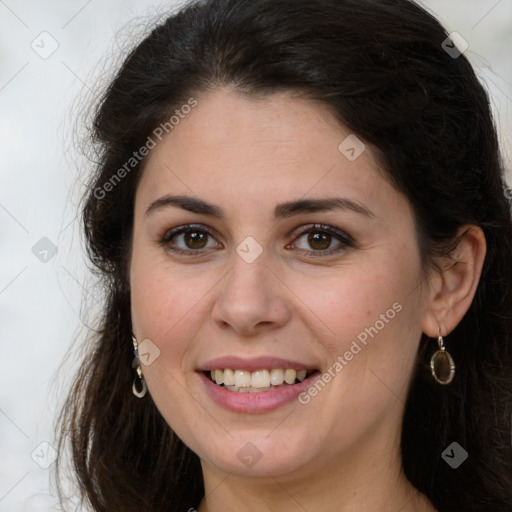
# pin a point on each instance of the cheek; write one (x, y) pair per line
(374, 329)
(373, 317)
(163, 306)
(157, 303)
(355, 298)
(168, 306)
(160, 295)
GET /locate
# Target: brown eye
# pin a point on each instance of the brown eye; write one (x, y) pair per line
(319, 240)
(195, 239)
(189, 239)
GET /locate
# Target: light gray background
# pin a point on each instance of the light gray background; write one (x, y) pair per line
(40, 302)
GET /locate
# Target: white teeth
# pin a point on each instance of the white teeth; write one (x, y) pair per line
(289, 376)
(301, 375)
(229, 377)
(242, 379)
(219, 376)
(276, 376)
(249, 390)
(260, 380)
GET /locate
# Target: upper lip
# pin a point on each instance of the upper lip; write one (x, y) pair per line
(253, 364)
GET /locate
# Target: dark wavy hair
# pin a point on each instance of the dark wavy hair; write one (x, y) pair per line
(382, 69)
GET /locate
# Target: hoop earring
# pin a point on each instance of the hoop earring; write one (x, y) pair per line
(441, 364)
(138, 369)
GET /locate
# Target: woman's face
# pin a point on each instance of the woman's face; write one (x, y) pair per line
(262, 244)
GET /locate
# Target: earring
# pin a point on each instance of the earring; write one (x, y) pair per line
(441, 364)
(138, 369)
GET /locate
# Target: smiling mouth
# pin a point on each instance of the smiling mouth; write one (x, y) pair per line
(244, 381)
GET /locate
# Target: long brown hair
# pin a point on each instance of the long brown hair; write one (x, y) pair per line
(383, 69)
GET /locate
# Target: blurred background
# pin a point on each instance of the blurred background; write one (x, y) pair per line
(52, 58)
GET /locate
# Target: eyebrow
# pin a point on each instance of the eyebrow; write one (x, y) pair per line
(188, 203)
(318, 205)
(283, 210)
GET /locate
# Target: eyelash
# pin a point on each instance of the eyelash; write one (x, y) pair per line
(345, 240)
(169, 235)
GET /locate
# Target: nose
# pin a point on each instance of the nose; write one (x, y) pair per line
(251, 300)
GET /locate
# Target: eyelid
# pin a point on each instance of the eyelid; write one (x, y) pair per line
(178, 230)
(342, 237)
(344, 240)
(339, 234)
(169, 233)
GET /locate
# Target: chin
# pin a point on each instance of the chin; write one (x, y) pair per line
(247, 454)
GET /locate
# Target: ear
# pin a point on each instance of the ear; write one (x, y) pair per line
(453, 288)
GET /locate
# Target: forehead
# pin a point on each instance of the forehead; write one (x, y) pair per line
(241, 150)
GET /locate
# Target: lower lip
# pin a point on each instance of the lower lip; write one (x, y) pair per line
(254, 403)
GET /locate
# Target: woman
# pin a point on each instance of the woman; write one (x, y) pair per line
(300, 219)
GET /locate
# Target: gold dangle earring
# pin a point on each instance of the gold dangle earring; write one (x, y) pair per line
(441, 364)
(138, 369)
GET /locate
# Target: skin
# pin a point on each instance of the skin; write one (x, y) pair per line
(246, 155)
